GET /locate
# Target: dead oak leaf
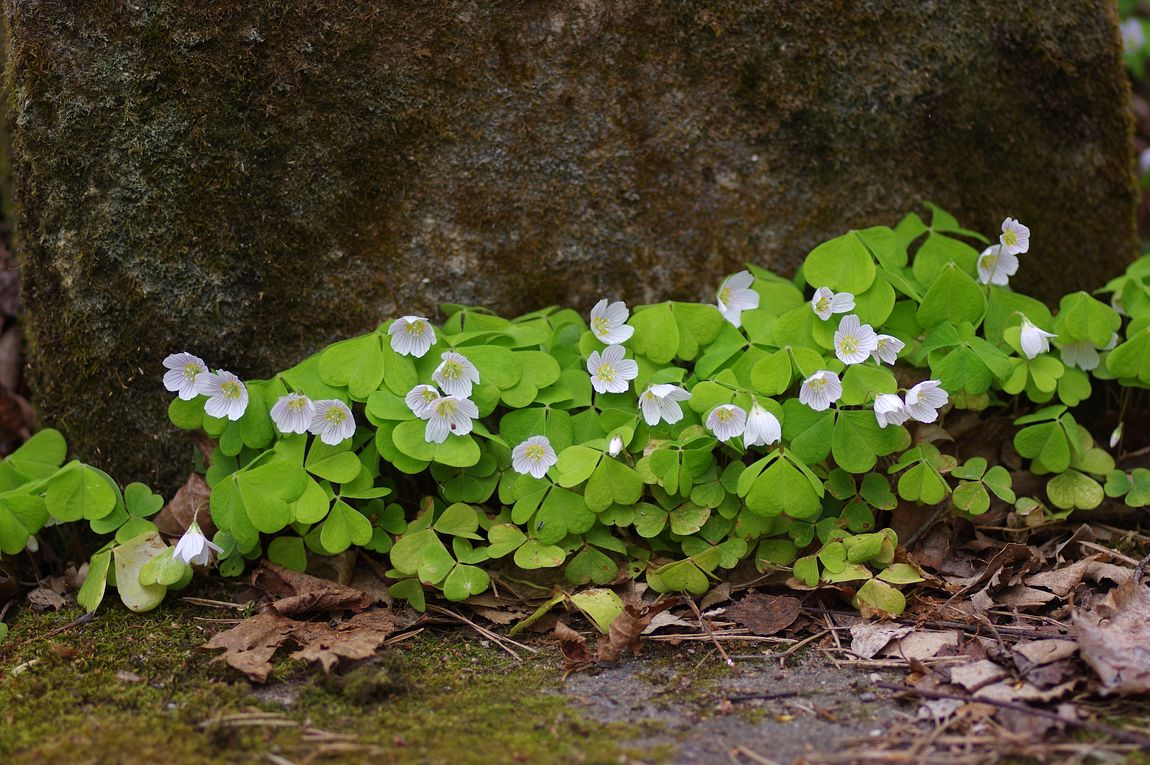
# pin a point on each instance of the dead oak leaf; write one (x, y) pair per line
(572, 645)
(190, 503)
(625, 630)
(1114, 638)
(357, 638)
(765, 614)
(300, 593)
(250, 645)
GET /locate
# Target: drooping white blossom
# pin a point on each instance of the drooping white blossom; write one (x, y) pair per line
(194, 548)
(411, 336)
(227, 395)
(420, 398)
(183, 375)
(820, 390)
(727, 421)
(455, 374)
(889, 410)
(854, 341)
(450, 415)
(293, 413)
(1133, 35)
(609, 322)
(535, 456)
(661, 402)
(826, 303)
(332, 421)
(886, 349)
(1015, 237)
(615, 446)
(1116, 436)
(736, 296)
(996, 265)
(762, 428)
(609, 371)
(1081, 354)
(1033, 339)
(924, 400)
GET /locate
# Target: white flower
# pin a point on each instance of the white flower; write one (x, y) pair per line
(736, 296)
(411, 336)
(1116, 303)
(183, 375)
(996, 266)
(820, 390)
(1081, 354)
(609, 371)
(450, 415)
(534, 456)
(924, 400)
(615, 447)
(727, 421)
(455, 374)
(1133, 36)
(1113, 342)
(332, 421)
(825, 302)
(854, 341)
(762, 428)
(887, 348)
(419, 400)
(293, 413)
(194, 547)
(889, 410)
(609, 322)
(661, 402)
(1033, 340)
(1116, 436)
(227, 395)
(1015, 237)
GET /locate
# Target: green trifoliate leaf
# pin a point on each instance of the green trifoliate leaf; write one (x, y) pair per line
(843, 264)
(953, 297)
(465, 581)
(937, 253)
(21, 516)
(656, 333)
(876, 598)
(288, 552)
(130, 558)
(357, 364)
(1131, 359)
(1073, 490)
(78, 491)
(1081, 317)
(344, 527)
(590, 566)
(600, 606)
(532, 554)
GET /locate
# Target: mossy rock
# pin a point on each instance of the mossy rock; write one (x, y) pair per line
(250, 181)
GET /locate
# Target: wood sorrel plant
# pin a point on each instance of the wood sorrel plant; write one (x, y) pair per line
(668, 443)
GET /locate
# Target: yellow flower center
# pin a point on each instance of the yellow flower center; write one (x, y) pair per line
(817, 384)
(416, 328)
(600, 325)
(191, 370)
(1009, 238)
(725, 295)
(429, 395)
(823, 305)
(725, 415)
(231, 390)
(445, 407)
(605, 373)
(990, 262)
(297, 402)
(535, 452)
(335, 415)
(452, 370)
(848, 344)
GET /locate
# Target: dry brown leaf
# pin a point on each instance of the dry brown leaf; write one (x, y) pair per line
(868, 638)
(1022, 692)
(1035, 653)
(190, 503)
(300, 593)
(1114, 638)
(1063, 580)
(45, 599)
(573, 645)
(717, 595)
(250, 645)
(765, 614)
(357, 638)
(668, 619)
(921, 645)
(624, 632)
(976, 674)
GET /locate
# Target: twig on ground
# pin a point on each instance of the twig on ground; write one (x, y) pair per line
(755, 757)
(1127, 736)
(707, 630)
(497, 639)
(218, 603)
(762, 696)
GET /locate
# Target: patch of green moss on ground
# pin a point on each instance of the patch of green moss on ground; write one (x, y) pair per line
(137, 688)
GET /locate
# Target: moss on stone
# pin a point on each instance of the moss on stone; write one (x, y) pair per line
(252, 180)
(448, 699)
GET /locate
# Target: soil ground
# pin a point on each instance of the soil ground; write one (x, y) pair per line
(130, 688)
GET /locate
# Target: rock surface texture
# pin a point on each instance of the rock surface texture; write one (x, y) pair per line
(250, 180)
